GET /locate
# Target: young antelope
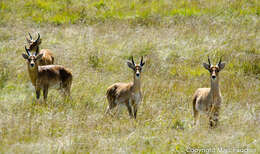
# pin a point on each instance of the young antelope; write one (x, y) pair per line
(208, 100)
(128, 94)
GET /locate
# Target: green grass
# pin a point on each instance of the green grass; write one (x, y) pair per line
(94, 39)
(136, 11)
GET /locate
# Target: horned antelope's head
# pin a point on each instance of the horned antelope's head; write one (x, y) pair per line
(136, 67)
(32, 59)
(214, 69)
(34, 44)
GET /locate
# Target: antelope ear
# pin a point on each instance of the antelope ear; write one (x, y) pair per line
(206, 66)
(39, 56)
(221, 65)
(25, 56)
(130, 65)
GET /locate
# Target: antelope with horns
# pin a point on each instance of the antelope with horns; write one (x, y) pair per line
(34, 45)
(128, 94)
(43, 77)
(208, 100)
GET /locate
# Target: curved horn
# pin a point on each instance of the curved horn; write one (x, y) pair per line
(142, 61)
(209, 60)
(27, 51)
(219, 61)
(38, 38)
(30, 36)
(133, 60)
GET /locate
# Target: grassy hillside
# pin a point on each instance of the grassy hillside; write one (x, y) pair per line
(94, 39)
(140, 11)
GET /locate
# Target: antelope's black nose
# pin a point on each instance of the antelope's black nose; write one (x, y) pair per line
(213, 77)
(137, 74)
(32, 65)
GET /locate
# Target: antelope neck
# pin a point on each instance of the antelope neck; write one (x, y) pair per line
(33, 73)
(214, 89)
(137, 84)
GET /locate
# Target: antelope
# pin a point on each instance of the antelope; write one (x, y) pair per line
(128, 94)
(47, 58)
(43, 77)
(208, 100)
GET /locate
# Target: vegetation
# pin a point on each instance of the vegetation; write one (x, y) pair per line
(140, 11)
(94, 39)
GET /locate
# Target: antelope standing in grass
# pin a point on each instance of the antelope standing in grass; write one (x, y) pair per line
(43, 77)
(34, 45)
(208, 100)
(128, 94)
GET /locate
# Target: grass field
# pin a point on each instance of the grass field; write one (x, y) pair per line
(94, 39)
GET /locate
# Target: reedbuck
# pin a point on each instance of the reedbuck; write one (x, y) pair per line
(128, 94)
(208, 100)
(47, 58)
(43, 77)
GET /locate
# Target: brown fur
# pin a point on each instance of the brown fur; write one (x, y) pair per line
(47, 58)
(44, 77)
(208, 100)
(128, 94)
(34, 45)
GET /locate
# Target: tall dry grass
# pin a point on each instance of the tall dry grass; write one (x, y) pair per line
(96, 53)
